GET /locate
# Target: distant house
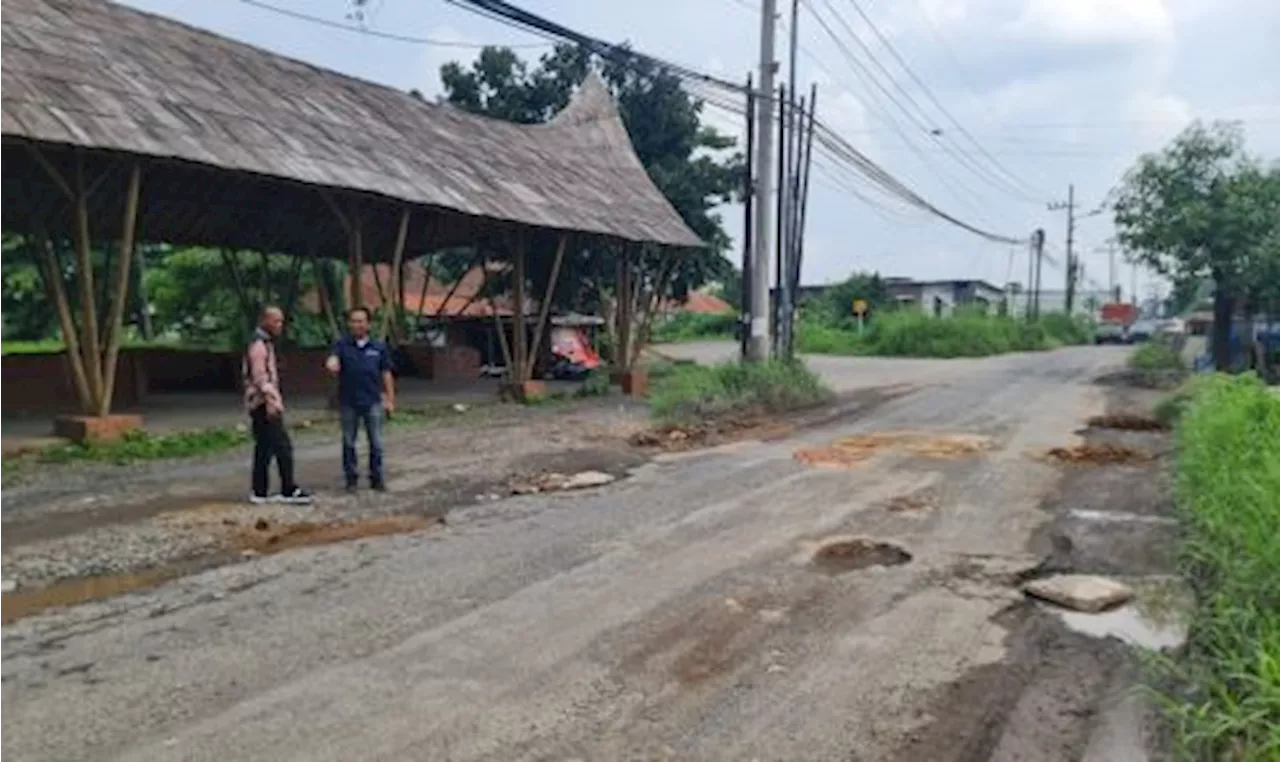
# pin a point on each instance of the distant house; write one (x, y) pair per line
(941, 297)
(935, 297)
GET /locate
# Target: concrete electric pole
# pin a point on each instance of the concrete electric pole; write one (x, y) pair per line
(1071, 267)
(762, 256)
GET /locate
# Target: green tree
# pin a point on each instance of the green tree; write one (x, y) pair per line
(1203, 208)
(837, 301)
(28, 313)
(694, 166)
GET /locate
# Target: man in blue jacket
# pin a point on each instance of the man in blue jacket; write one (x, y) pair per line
(366, 390)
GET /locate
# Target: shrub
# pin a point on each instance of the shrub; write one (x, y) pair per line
(693, 392)
(688, 326)
(910, 333)
(1225, 703)
(1156, 356)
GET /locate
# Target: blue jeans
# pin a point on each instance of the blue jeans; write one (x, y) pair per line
(371, 417)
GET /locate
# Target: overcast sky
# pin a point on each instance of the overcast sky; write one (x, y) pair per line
(1056, 91)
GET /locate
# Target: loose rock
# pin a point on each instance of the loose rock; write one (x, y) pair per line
(586, 479)
(1081, 592)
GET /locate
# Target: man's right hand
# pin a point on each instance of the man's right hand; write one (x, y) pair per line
(333, 365)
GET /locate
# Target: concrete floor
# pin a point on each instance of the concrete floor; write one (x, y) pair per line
(674, 615)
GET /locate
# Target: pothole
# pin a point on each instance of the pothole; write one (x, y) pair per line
(260, 537)
(839, 556)
(1127, 422)
(913, 502)
(1098, 454)
(851, 451)
(266, 538)
(71, 592)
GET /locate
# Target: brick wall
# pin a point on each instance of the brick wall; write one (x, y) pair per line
(41, 383)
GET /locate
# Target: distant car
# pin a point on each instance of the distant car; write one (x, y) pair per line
(1111, 333)
(1172, 326)
(1143, 330)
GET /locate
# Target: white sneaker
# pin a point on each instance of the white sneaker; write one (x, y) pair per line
(259, 499)
(299, 496)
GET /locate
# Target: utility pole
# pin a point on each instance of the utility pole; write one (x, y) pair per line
(763, 238)
(1037, 244)
(1112, 286)
(748, 219)
(1070, 207)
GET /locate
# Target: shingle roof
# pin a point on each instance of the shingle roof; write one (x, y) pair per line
(94, 74)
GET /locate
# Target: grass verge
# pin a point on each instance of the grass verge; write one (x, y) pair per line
(139, 445)
(698, 392)
(1223, 696)
(909, 333)
(692, 326)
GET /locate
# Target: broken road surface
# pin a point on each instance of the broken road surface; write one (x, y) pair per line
(680, 613)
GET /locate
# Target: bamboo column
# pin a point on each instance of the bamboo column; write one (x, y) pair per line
(519, 339)
(129, 227)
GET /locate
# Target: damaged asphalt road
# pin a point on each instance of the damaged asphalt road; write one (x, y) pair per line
(687, 612)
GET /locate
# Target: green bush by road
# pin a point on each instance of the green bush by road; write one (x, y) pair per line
(694, 392)
(908, 333)
(1225, 699)
(690, 326)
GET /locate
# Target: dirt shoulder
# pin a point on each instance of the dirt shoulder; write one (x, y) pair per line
(84, 521)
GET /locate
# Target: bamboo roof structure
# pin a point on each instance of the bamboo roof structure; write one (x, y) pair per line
(243, 148)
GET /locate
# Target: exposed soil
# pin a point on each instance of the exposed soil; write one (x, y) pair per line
(855, 450)
(1098, 454)
(1126, 422)
(762, 425)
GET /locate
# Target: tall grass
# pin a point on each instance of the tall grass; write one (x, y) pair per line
(691, 326)
(909, 333)
(1156, 355)
(1226, 701)
(694, 392)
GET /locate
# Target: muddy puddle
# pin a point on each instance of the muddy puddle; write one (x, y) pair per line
(23, 603)
(851, 451)
(839, 556)
(240, 540)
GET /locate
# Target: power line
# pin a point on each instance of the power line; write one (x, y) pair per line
(934, 100)
(963, 194)
(320, 21)
(985, 174)
(847, 154)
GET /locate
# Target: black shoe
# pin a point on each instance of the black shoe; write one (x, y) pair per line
(378, 485)
(298, 496)
(352, 486)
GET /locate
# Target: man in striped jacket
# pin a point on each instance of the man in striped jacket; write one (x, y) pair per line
(265, 405)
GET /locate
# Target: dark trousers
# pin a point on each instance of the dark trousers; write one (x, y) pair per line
(271, 440)
(352, 419)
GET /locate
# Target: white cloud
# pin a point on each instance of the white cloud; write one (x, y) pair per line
(1095, 22)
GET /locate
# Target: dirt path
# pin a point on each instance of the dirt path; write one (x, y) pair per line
(728, 604)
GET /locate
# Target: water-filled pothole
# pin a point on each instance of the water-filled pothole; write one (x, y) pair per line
(838, 556)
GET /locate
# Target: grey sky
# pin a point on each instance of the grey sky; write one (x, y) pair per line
(1058, 91)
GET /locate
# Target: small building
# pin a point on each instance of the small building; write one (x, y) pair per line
(941, 298)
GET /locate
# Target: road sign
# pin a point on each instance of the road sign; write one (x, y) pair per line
(859, 306)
